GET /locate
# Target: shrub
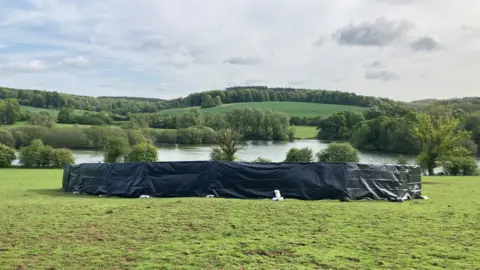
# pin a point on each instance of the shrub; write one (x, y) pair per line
(262, 160)
(7, 156)
(31, 156)
(135, 137)
(339, 152)
(31, 132)
(460, 166)
(143, 152)
(98, 135)
(21, 139)
(190, 135)
(42, 119)
(217, 154)
(299, 155)
(116, 150)
(63, 157)
(47, 156)
(6, 138)
(72, 138)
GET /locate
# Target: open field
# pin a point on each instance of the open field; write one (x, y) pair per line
(305, 132)
(51, 111)
(42, 228)
(57, 125)
(290, 108)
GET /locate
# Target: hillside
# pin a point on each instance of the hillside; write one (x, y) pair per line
(125, 105)
(290, 108)
(53, 112)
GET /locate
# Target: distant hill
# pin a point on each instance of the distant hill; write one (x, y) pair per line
(468, 104)
(242, 94)
(291, 108)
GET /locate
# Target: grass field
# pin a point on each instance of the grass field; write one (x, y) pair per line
(290, 108)
(57, 125)
(51, 111)
(42, 228)
(305, 132)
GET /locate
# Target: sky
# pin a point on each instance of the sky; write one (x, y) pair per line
(400, 49)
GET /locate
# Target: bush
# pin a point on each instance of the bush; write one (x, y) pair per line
(217, 154)
(116, 150)
(63, 157)
(460, 166)
(135, 137)
(40, 155)
(42, 119)
(72, 138)
(31, 132)
(98, 135)
(143, 152)
(21, 139)
(190, 135)
(299, 155)
(6, 138)
(262, 160)
(339, 152)
(31, 156)
(7, 156)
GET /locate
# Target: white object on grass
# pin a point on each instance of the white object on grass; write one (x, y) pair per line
(144, 197)
(424, 197)
(278, 196)
(210, 196)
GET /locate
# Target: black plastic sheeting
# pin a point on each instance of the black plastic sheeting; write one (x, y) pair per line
(306, 181)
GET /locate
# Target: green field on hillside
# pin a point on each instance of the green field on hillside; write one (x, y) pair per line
(290, 108)
(51, 111)
(43, 228)
(305, 132)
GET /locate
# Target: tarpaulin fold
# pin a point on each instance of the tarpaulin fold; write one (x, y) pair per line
(306, 181)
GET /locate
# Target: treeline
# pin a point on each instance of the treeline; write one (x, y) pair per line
(256, 124)
(389, 129)
(97, 137)
(125, 105)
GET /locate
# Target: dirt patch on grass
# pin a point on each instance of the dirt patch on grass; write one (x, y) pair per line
(433, 183)
(270, 253)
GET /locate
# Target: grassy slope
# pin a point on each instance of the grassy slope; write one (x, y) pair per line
(43, 228)
(305, 132)
(290, 108)
(51, 111)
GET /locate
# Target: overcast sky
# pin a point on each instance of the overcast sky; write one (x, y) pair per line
(401, 49)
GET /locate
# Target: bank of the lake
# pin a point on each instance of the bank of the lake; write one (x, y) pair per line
(274, 151)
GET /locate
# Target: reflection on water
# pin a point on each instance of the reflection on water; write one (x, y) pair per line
(274, 151)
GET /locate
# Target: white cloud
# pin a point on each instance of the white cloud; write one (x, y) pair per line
(24, 67)
(171, 48)
(77, 62)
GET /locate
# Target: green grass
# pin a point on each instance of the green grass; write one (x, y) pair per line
(51, 111)
(290, 108)
(42, 228)
(305, 132)
(24, 123)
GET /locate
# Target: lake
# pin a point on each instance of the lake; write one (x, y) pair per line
(275, 151)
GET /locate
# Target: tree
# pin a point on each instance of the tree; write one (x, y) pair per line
(262, 160)
(299, 155)
(10, 111)
(218, 101)
(228, 142)
(116, 150)
(66, 116)
(7, 156)
(42, 119)
(6, 138)
(339, 152)
(63, 157)
(460, 166)
(31, 156)
(208, 102)
(440, 140)
(143, 152)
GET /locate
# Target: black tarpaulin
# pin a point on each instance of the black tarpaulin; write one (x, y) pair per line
(306, 181)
